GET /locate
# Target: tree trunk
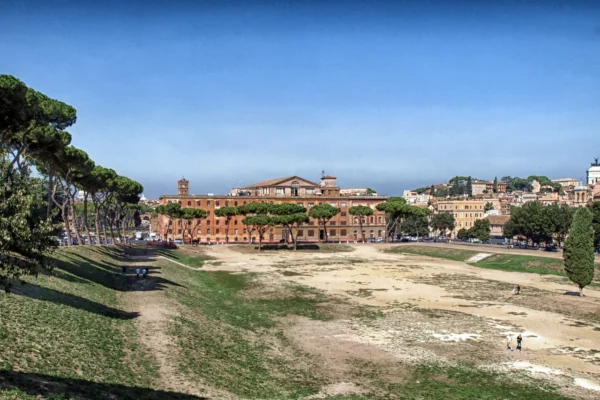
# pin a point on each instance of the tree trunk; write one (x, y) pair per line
(86, 225)
(362, 234)
(580, 291)
(325, 230)
(97, 223)
(71, 205)
(50, 186)
(259, 240)
(227, 221)
(64, 211)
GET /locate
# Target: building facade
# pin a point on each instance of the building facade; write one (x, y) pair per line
(292, 189)
(593, 173)
(465, 212)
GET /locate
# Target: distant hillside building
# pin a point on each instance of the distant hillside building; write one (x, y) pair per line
(465, 212)
(593, 173)
(566, 182)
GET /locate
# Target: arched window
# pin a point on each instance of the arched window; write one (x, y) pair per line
(295, 188)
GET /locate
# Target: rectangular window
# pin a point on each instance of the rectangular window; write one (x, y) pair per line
(311, 233)
(300, 233)
(309, 191)
(244, 203)
(207, 213)
(311, 204)
(301, 204)
(372, 219)
(170, 230)
(343, 204)
(235, 231)
(343, 232)
(217, 222)
(217, 203)
(332, 232)
(379, 219)
(343, 213)
(207, 203)
(217, 231)
(280, 190)
(333, 204)
(207, 222)
(245, 230)
(343, 223)
(178, 222)
(235, 221)
(332, 223)
(199, 231)
(208, 231)
(235, 203)
(198, 203)
(311, 222)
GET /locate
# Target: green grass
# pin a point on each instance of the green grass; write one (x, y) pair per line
(227, 338)
(438, 252)
(434, 382)
(504, 262)
(194, 261)
(70, 328)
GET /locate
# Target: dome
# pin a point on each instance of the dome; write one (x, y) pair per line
(581, 187)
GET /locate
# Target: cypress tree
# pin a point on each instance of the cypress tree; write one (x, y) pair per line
(579, 250)
(469, 187)
(496, 185)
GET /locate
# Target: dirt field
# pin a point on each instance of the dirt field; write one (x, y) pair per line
(439, 311)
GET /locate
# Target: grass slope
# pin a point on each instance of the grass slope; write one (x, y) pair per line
(504, 262)
(69, 330)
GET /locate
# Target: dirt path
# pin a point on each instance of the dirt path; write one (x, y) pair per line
(146, 297)
(555, 342)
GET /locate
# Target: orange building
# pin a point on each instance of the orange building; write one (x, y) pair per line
(292, 189)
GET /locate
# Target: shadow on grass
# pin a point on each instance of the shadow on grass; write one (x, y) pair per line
(569, 293)
(54, 296)
(285, 247)
(45, 385)
(107, 274)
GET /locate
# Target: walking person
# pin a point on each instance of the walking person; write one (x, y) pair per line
(509, 342)
(137, 273)
(124, 271)
(519, 342)
(145, 273)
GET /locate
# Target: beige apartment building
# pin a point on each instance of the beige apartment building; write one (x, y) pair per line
(466, 212)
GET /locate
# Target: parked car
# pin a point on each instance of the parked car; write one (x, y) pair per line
(551, 248)
(178, 241)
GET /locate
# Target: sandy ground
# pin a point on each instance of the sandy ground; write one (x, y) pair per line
(446, 311)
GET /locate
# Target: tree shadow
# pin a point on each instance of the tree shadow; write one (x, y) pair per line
(569, 293)
(45, 385)
(107, 274)
(36, 292)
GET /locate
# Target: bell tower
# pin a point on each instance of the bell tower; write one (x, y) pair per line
(183, 187)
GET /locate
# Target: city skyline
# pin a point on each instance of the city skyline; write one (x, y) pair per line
(392, 95)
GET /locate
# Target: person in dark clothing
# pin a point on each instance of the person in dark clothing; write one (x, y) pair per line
(137, 273)
(145, 272)
(124, 270)
(519, 342)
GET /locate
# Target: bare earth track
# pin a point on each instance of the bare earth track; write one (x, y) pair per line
(442, 311)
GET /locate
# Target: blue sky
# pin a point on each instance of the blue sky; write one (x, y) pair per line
(390, 95)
